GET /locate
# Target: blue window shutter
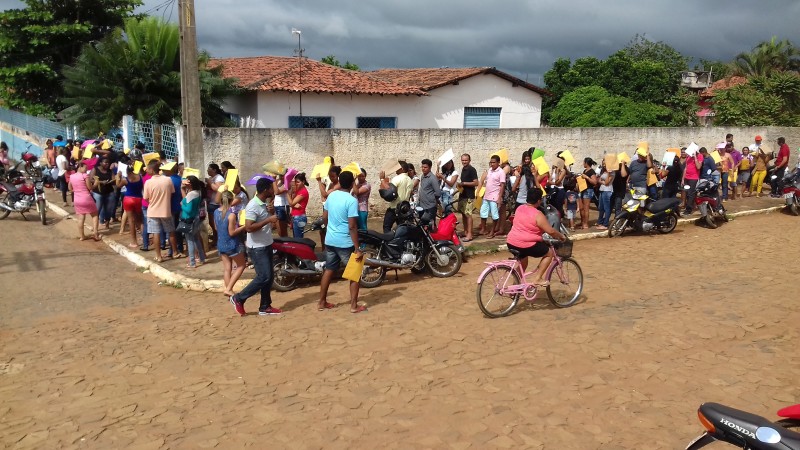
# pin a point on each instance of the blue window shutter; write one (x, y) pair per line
(475, 117)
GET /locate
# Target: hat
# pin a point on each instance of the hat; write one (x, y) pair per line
(721, 145)
(168, 166)
(641, 151)
(758, 138)
(263, 184)
(274, 167)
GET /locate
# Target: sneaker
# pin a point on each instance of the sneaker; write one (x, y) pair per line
(237, 305)
(270, 312)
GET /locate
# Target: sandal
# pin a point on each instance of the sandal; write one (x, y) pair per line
(160, 260)
(541, 283)
(133, 245)
(358, 310)
(144, 249)
(326, 306)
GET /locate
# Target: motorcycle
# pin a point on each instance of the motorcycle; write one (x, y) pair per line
(296, 259)
(789, 187)
(447, 231)
(708, 202)
(20, 194)
(410, 246)
(643, 214)
(741, 429)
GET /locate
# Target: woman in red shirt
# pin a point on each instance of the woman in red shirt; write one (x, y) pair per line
(298, 200)
(526, 235)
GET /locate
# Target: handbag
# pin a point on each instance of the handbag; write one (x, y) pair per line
(186, 226)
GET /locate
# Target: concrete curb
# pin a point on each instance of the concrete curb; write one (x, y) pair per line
(200, 285)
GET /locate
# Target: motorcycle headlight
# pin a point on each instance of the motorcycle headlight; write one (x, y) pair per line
(631, 202)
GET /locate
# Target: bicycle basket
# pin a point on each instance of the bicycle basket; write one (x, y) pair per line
(564, 249)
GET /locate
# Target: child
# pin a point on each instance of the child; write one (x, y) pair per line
(571, 206)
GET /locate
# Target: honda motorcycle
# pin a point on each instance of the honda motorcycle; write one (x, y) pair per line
(643, 214)
(20, 194)
(742, 429)
(708, 202)
(789, 187)
(410, 246)
(296, 259)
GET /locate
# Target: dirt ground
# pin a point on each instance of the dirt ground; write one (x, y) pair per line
(94, 354)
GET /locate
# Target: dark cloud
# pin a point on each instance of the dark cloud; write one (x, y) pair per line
(523, 37)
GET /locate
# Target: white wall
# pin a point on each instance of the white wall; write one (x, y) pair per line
(443, 108)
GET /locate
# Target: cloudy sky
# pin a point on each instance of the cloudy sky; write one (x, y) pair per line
(522, 37)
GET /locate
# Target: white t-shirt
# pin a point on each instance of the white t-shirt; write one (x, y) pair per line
(280, 200)
(451, 189)
(61, 163)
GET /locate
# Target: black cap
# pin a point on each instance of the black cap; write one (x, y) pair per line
(263, 184)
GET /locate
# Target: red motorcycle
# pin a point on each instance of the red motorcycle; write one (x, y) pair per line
(294, 259)
(708, 203)
(446, 231)
(791, 191)
(21, 193)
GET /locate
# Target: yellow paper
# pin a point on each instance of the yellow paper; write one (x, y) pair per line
(230, 178)
(611, 162)
(187, 172)
(137, 167)
(150, 157)
(582, 184)
(76, 153)
(354, 268)
(541, 165)
(353, 168)
(623, 157)
(321, 170)
(568, 158)
(87, 152)
(479, 198)
(503, 154)
(651, 178)
(242, 218)
(644, 145)
(716, 157)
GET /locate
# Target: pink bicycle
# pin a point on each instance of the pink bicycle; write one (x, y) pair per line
(502, 282)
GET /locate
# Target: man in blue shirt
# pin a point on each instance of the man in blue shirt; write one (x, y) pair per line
(341, 215)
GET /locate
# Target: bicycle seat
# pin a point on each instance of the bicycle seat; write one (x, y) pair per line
(514, 253)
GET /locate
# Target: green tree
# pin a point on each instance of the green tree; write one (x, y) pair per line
(37, 41)
(137, 72)
(642, 49)
(594, 106)
(331, 60)
(762, 101)
(768, 57)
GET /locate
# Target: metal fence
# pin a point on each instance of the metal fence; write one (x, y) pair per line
(156, 137)
(42, 127)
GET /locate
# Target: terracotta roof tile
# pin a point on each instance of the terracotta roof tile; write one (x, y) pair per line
(276, 73)
(725, 83)
(432, 78)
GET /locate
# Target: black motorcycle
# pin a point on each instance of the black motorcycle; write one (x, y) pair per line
(410, 246)
(643, 214)
(742, 429)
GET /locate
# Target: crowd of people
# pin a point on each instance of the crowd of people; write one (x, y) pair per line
(182, 216)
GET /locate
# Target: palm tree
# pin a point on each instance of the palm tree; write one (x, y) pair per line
(768, 57)
(137, 73)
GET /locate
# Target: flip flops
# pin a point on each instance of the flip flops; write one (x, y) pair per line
(358, 310)
(326, 306)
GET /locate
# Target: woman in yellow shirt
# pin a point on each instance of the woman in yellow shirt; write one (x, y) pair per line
(743, 179)
(759, 172)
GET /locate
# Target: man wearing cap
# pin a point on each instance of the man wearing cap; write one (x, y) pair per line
(756, 145)
(404, 186)
(259, 219)
(158, 193)
(637, 170)
(781, 163)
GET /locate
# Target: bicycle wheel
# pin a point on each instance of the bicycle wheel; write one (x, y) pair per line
(566, 283)
(492, 303)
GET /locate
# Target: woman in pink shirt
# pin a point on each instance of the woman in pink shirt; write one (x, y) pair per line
(81, 186)
(526, 235)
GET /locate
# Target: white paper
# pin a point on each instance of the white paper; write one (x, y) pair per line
(122, 168)
(668, 158)
(447, 156)
(692, 149)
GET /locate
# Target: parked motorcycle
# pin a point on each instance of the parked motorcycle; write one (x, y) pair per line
(789, 187)
(741, 429)
(643, 214)
(296, 260)
(410, 246)
(708, 202)
(446, 230)
(20, 194)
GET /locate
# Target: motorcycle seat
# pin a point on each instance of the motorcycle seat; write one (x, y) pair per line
(663, 204)
(382, 236)
(744, 424)
(304, 241)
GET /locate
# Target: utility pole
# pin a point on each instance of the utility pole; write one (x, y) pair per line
(299, 52)
(191, 113)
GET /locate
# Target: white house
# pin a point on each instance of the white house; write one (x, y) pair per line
(285, 92)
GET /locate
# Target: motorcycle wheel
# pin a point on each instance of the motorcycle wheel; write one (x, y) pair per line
(43, 211)
(418, 270)
(371, 277)
(672, 222)
(617, 228)
(4, 199)
(710, 222)
(282, 281)
(794, 210)
(449, 269)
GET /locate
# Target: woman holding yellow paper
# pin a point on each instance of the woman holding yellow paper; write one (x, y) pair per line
(589, 177)
(132, 202)
(228, 229)
(192, 190)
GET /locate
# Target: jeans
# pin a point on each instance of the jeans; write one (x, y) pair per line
(193, 244)
(362, 220)
(725, 185)
(61, 184)
(447, 199)
(261, 257)
(617, 203)
(389, 219)
(652, 192)
(298, 224)
(773, 182)
(106, 204)
(145, 236)
(605, 208)
(690, 195)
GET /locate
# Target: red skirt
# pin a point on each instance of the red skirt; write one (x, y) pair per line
(132, 204)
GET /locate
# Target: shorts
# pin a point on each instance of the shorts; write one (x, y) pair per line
(587, 194)
(158, 225)
(132, 204)
(489, 207)
(571, 213)
(282, 212)
(466, 206)
(744, 177)
(537, 250)
(336, 256)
